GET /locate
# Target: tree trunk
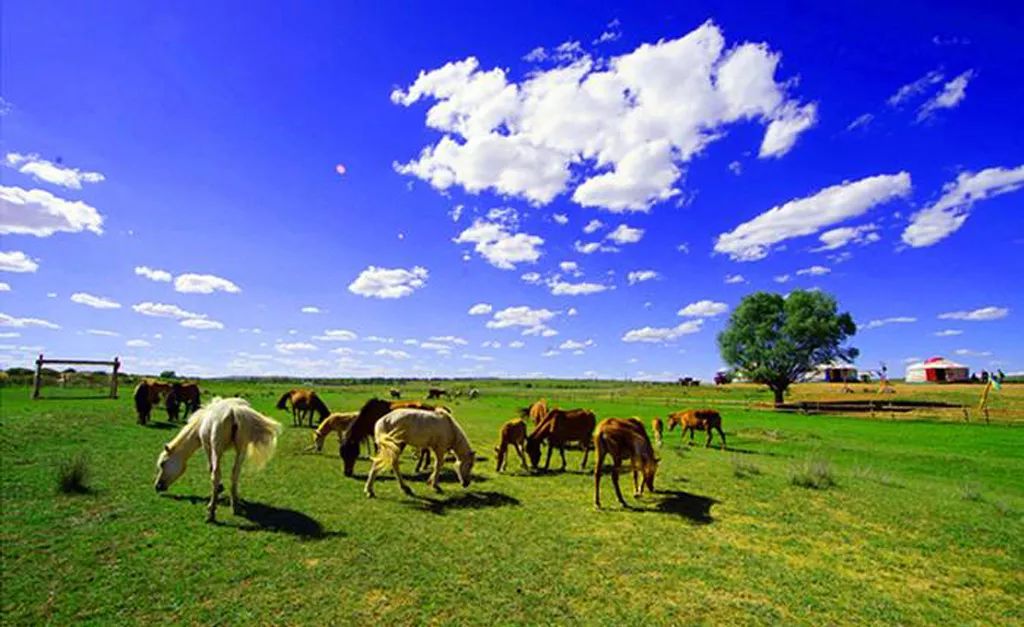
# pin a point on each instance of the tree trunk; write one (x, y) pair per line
(779, 398)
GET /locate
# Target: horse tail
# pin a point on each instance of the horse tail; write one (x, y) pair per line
(320, 406)
(142, 404)
(282, 403)
(389, 448)
(262, 433)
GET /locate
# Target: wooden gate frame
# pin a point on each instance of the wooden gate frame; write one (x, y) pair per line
(38, 379)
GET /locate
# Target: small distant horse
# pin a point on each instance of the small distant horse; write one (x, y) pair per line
(437, 393)
(658, 427)
(223, 424)
(304, 402)
(561, 427)
(435, 430)
(697, 419)
(473, 393)
(395, 393)
(535, 412)
(147, 394)
(624, 439)
(513, 433)
(186, 394)
(363, 427)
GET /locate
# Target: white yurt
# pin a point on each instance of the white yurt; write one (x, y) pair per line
(937, 370)
(834, 373)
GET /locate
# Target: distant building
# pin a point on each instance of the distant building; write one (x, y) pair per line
(834, 373)
(937, 370)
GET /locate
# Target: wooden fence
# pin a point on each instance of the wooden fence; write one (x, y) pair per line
(37, 381)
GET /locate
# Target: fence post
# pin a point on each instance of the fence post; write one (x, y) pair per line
(38, 379)
(113, 378)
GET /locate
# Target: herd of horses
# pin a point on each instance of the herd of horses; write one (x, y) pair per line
(175, 396)
(390, 426)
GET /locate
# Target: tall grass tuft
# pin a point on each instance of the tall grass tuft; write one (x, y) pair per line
(814, 473)
(743, 469)
(73, 475)
(970, 492)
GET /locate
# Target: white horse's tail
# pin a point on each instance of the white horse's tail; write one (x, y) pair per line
(389, 448)
(262, 432)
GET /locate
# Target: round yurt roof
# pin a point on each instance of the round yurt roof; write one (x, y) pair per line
(935, 362)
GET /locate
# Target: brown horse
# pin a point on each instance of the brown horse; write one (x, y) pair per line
(658, 427)
(437, 393)
(624, 439)
(697, 419)
(304, 403)
(186, 394)
(513, 433)
(561, 427)
(362, 427)
(395, 393)
(535, 412)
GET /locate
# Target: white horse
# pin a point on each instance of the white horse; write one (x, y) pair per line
(434, 430)
(223, 424)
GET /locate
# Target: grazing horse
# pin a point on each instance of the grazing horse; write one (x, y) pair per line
(437, 393)
(694, 419)
(362, 427)
(624, 439)
(535, 412)
(473, 393)
(561, 427)
(513, 433)
(435, 430)
(223, 424)
(336, 422)
(304, 402)
(395, 393)
(658, 427)
(147, 394)
(186, 394)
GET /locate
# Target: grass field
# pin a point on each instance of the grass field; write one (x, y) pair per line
(924, 523)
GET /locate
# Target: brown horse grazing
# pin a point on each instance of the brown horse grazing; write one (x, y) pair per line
(513, 433)
(535, 412)
(143, 406)
(186, 394)
(362, 428)
(658, 427)
(304, 402)
(337, 423)
(395, 393)
(561, 427)
(624, 439)
(694, 419)
(437, 393)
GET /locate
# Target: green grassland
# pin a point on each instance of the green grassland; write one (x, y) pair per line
(924, 525)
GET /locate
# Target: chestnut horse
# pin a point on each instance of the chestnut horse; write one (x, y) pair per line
(186, 394)
(624, 439)
(362, 427)
(513, 433)
(658, 427)
(304, 402)
(535, 412)
(694, 419)
(561, 427)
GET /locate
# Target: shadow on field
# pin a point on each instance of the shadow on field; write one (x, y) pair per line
(466, 500)
(162, 425)
(267, 518)
(693, 507)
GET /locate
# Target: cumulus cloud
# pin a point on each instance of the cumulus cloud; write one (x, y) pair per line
(943, 218)
(163, 310)
(639, 276)
(534, 321)
(620, 132)
(5, 287)
(391, 353)
(560, 218)
(96, 302)
(137, 343)
(813, 271)
(570, 267)
(516, 344)
(564, 288)
(734, 278)
(40, 213)
(49, 172)
(12, 321)
(472, 357)
(17, 261)
(781, 278)
(951, 95)
(531, 277)
(310, 310)
(202, 324)
(754, 239)
(449, 339)
(102, 333)
(287, 348)
(337, 335)
(977, 315)
(153, 274)
(657, 335)
(375, 282)
(593, 226)
(502, 248)
(948, 333)
(190, 283)
(967, 352)
(844, 235)
(874, 324)
(480, 309)
(915, 88)
(574, 345)
(624, 234)
(703, 309)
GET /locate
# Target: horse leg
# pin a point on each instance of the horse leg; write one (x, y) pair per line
(398, 474)
(721, 434)
(236, 470)
(522, 457)
(615, 480)
(438, 462)
(211, 509)
(561, 450)
(637, 491)
(547, 462)
(375, 467)
(597, 475)
(501, 457)
(586, 451)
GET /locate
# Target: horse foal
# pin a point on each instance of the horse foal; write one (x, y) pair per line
(513, 433)
(624, 439)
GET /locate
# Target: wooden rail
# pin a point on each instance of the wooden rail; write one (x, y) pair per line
(115, 365)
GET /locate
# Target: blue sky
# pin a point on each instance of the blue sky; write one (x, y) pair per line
(600, 185)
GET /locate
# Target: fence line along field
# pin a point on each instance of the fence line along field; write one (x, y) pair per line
(914, 518)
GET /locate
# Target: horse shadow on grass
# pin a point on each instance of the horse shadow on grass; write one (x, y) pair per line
(465, 500)
(263, 517)
(693, 507)
(163, 425)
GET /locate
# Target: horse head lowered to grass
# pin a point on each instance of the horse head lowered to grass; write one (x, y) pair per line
(362, 427)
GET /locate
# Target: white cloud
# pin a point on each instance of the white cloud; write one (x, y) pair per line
(336, 335)
(560, 218)
(839, 237)
(17, 261)
(103, 333)
(516, 344)
(379, 339)
(593, 226)
(287, 348)
(753, 240)
(624, 234)
(943, 218)
(163, 310)
(435, 346)
(5, 287)
(683, 248)
(490, 344)
(203, 324)
(499, 246)
(375, 282)
(861, 121)
(97, 302)
(781, 278)
(137, 343)
(534, 320)
(919, 86)
(639, 276)
(550, 353)
(813, 271)
(572, 345)
(619, 131)
(977, 315)
(564, 288)
(477, 357)
(531, 277)
(203, 284)
(570, 267)
(967, 352)
(951, 95)
(49, 172)
(11, 321)
(948, 333)
(153, 274)
(736, 167)
(480, 309)
(657, 335)
(391, 353)
(310, 310)
(734, 278)
(874, 324)
(703, 309)
(571, 311)
(40, 213)
(449, 339)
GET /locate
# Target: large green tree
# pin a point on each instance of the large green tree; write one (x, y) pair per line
(775, 340)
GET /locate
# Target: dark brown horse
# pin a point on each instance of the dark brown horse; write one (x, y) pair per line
(698, 419)
(362, 427)
(437, 393)
(147, 395)
(561, 427)
(304, 403)
(624, 439)
(186, 394)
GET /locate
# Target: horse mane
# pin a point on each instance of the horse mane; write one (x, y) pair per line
(362, 426)
(282, 403)
(319, 405)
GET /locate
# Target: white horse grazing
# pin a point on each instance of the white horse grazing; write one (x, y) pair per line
(430, 430)
(224, 423)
